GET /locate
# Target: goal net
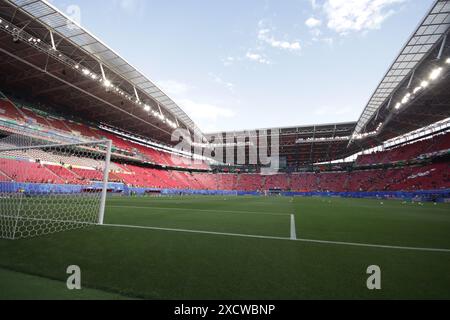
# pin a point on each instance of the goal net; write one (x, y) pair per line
(48, 188)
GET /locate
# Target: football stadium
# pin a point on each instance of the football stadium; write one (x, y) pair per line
(109, 190)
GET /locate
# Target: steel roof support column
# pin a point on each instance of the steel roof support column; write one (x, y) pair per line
(136, 94)
(410, 79)
(160, 111)
(312, 146)
(441, 49)
(52, 39)
(103, 72)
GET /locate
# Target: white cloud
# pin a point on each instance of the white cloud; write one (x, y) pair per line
(313, 22)
(345, 16)
(328, 41)
(264, 35)
(327, 110)
(228, 61)
(217, 79)
(204, 111)
(173, 87)
(130, 6)
(316, 32)
(314, 4)
(257, 58)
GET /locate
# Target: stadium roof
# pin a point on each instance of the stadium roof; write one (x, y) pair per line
(300, 146)
(43, 20)
(428, 35)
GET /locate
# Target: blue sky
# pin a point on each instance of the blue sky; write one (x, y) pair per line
(237, 64)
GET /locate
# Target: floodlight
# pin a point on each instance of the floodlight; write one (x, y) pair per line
(417, 89)
(435, 73)
(107, 83)
(406, 98)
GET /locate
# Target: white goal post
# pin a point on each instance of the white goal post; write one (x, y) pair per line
(49, 188)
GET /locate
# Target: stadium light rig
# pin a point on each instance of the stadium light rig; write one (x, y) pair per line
(323, 139)
(35, 40)
(417, 89)
(434, 75)
(109, 85)
(51, 50)
(406, 98)
(3, 23)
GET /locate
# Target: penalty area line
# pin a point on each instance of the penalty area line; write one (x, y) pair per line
(195, 231)
(293, 228)
(337, 243)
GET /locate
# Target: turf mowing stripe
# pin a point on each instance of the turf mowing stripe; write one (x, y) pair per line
(353, 244)
(203, 210)
(293, 228)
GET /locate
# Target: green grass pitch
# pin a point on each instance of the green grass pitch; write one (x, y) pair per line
(239, 248)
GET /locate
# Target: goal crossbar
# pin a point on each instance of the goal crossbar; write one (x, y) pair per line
(107, 143)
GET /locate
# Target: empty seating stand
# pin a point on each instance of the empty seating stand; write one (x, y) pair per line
(27, 167)
(8, 110)
(407, 151)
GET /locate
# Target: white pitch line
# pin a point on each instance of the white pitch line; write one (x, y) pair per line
(202, 210)
(293, 228)
(353, 244)
(380, 246)
(195, 231)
